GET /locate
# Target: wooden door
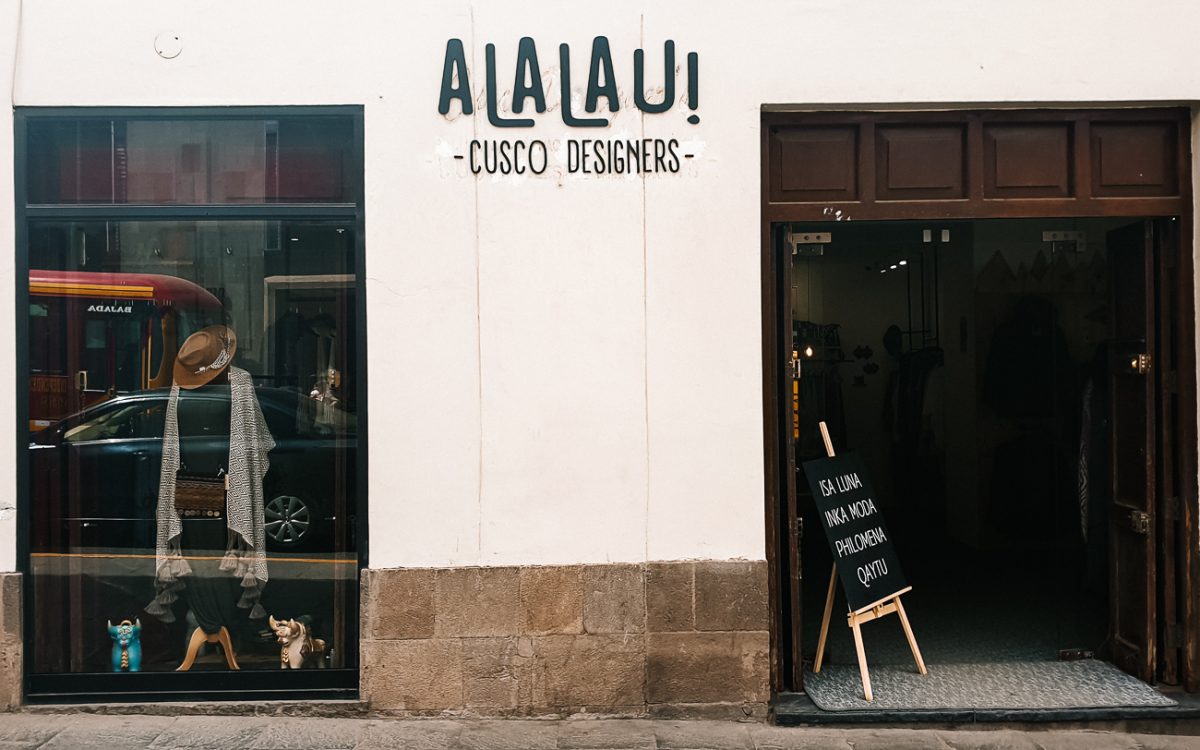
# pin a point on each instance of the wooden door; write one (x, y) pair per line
(792, 526)
(1132, 586)
(1171, 458)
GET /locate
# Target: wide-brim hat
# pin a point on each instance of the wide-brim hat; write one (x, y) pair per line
(205, 355)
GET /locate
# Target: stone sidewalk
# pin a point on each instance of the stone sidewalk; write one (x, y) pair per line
(89, 732)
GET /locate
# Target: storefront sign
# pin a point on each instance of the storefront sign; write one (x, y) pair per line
(862, 549)
(115, 309)
(48, 397)
(599, 156)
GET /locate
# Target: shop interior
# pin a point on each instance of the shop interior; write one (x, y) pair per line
(966, 364)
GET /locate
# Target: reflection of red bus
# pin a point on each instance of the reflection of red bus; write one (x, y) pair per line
(93, 335)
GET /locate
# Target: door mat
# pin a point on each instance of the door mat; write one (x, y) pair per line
(1088, 683)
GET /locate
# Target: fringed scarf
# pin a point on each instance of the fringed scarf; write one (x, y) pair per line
(245, 554)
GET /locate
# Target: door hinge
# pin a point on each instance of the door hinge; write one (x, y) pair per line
(808, 243)
(799, 529)
(1139, 522)
(1140, 364)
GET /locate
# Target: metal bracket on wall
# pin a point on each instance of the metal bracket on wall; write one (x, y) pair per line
(1072, 240)
(808, 243)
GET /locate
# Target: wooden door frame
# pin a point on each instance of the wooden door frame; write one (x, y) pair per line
(1083, 204)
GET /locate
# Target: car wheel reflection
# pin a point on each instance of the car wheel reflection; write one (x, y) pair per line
(288, 520)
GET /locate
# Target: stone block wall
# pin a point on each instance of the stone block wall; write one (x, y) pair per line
(10, 641)
(670, 638)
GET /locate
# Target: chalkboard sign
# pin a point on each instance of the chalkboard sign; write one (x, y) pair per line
(862, 548)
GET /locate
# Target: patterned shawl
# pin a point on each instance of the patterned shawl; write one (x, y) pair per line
(245, 553)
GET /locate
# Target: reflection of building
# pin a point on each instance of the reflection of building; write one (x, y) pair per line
(576, 490)
(302, 340)
(127, 328)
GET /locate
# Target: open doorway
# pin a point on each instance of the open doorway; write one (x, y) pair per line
(988, 373)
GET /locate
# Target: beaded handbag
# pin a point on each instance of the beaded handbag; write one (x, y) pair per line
(200, 496)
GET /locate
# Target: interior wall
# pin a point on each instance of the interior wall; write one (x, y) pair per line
(853, 285)
(844, 287)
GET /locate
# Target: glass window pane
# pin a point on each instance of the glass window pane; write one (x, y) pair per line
(71, 161)
(181, 162)
(114, 309)
(135, 420)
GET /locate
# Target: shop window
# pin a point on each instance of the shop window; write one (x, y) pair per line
(192, 161)
(193, 382)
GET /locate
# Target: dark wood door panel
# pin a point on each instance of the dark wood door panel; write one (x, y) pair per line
(920, 162)
(1027, 160)
(816, 164)
(1134, 159)
(978, 164)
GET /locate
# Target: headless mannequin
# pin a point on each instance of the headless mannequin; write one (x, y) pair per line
(211, 594)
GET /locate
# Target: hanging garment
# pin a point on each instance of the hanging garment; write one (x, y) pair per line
(1085, 438)
(1094, 477)
(912, 414)
(293, 342)
(818, 395)
(245, 557)
(1029, 367)
(328, 378)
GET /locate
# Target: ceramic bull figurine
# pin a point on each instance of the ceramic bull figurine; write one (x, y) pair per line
(127, 645)
(296, 644)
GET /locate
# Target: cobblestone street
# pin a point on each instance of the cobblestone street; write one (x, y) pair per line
(89, 731)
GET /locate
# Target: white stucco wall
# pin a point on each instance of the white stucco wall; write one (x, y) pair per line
(9, 19)
(569, 371)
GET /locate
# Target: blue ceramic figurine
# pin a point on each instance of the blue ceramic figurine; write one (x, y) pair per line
(127, 646)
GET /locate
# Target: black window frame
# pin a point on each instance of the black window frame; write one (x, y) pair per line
(307, 684)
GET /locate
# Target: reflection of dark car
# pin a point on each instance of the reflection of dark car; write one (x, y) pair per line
(94, 476)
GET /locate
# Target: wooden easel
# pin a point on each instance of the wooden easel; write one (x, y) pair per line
(199, 638)
(874, 611)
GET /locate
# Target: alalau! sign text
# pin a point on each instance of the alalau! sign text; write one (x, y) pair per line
(600, 156)
(527, 83)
